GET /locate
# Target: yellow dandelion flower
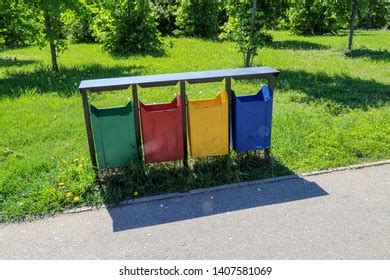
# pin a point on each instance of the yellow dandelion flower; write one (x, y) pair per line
(76, 199)
(69, 194)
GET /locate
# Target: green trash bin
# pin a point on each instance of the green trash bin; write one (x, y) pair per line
(114, 134)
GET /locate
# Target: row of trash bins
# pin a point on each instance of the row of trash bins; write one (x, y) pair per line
(114, 129)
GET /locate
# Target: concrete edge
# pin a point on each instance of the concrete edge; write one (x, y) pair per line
(214, 189)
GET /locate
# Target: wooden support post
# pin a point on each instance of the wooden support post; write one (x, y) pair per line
(228, 88)
(137, 119)
(88, 126)
(184, 116)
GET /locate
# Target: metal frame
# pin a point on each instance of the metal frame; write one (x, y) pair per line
(184, 119)
(100, 85)
(137, 119)
(228, 88)
(271, 84)
(87, 117)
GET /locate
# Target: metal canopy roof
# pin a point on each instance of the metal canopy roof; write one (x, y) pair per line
(172, 79)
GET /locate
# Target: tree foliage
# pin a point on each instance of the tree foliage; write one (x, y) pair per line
(78, 22)
(134, 26)
(127, 27)
(316, 17)
(165, 12)
(375, 15)
(313, 17)
(16, 24)
(198, 18)
(50, 25)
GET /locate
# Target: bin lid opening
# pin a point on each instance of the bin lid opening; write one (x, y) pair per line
(176, 102)
(262, 95)
(112, 111)
(220, 99)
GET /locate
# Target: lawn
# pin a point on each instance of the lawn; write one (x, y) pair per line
(330, 110)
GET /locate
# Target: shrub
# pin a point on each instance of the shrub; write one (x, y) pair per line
(198, 18)
(376, 15)
(127, 27)
(78, 24)
(312, 17)
(15, 24)
(165, 11)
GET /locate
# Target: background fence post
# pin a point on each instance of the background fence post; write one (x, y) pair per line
(88, 126)
(184, 104)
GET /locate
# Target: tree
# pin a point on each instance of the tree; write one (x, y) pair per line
(352, 20)
(251, 34)
(247, 26)
(349, 10)
(49, 14)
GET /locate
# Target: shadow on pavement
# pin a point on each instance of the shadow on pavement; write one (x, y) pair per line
(199, 205)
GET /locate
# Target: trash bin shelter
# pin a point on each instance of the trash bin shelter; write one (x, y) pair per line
(208, 126)
(251, 118)
(114, 135)
(162, 132)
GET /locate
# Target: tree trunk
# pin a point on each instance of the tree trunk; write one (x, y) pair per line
(53, 51)
(252, 33)
(352, 19)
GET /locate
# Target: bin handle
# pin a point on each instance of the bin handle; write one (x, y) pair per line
(266, 92)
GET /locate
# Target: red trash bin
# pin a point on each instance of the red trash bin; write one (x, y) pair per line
(162, 131)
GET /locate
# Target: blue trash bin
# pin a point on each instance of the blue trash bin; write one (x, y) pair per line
(251, 120)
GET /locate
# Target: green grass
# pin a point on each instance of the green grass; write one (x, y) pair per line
(330, 110)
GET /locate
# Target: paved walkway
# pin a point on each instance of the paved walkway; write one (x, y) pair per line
(338, 215)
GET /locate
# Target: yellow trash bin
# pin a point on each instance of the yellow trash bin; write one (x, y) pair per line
(208, 126)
